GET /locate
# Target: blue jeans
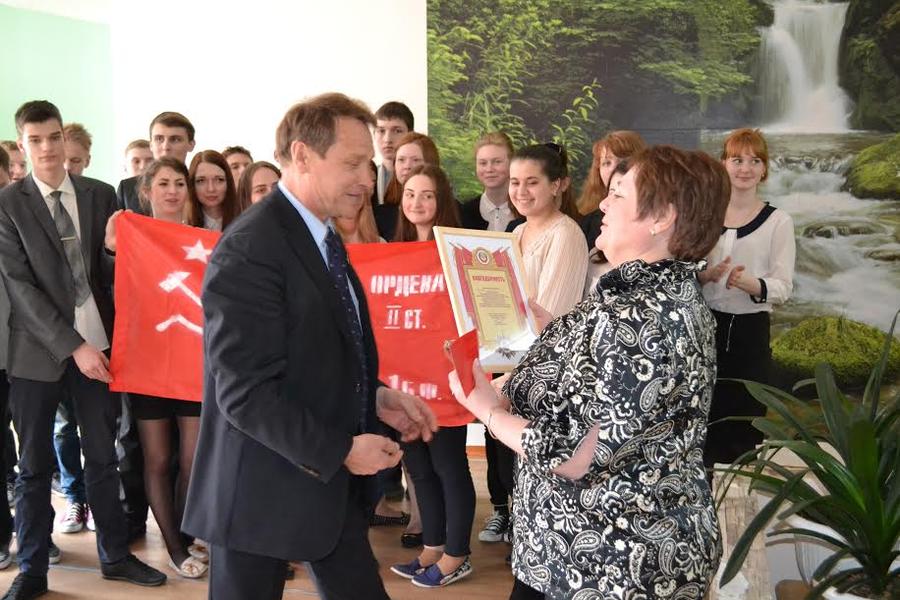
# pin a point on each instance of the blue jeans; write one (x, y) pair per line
(68, 452)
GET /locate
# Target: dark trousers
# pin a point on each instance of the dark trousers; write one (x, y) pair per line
(496, 489)
(33, 405)
(6, 521)
(742, 352)
(10, 456)
(349, 572)
(131, 467)
(521, 591)
(444, 489)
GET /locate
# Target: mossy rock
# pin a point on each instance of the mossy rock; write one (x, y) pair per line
(851, 348)
(875, 173)
(869, 63)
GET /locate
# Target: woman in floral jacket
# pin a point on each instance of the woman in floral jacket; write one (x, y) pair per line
(608, 411)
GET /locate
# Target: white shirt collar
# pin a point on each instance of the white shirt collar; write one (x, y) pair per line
(65, 187)
(497, 217)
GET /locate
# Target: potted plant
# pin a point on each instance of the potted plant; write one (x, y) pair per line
(849, 483)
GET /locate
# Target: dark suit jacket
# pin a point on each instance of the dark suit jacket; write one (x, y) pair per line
(282, 392)
(38, 278)
(470, 215)
(127, 196)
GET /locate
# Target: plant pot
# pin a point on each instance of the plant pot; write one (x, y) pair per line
(833, 594)
(811, 552)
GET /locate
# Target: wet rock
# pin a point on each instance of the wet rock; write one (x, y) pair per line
(832, 228)
(884, 254)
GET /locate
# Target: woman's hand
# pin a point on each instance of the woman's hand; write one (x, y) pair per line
(110, 240)
(482, 399)
(541, 315)
(714, 273)
(744, 281)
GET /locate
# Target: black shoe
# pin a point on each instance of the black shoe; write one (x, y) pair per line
(54, 554)
(132, 570)
(289, 573)
(411, 540)
(26, 586)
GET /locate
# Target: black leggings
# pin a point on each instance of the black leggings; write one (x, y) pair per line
(444, 489)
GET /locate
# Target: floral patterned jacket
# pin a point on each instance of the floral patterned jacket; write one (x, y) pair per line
(639, 359)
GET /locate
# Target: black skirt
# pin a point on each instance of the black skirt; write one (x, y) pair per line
(146, 408)
(742, 352)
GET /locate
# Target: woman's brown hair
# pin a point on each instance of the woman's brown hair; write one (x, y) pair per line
(621, 144)
(230, 207)
(145, 179)
(245, 186)
(430, 155)
(695, 184)
(750, 141)
(447, 213)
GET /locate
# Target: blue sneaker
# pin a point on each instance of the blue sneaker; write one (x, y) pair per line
(432, 576)
(408, 570)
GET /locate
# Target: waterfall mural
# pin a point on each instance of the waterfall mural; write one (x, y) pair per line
(812, 75)
(799, 69)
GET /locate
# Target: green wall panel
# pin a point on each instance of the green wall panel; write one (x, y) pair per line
(68, 62)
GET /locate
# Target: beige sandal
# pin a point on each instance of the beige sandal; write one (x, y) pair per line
(191, 568)
(199, 551)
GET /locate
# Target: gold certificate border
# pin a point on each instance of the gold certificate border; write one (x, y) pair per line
(471, 239)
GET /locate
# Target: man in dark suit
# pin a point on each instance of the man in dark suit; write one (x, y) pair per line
(171, 134)
(58, 277)
(291, 397)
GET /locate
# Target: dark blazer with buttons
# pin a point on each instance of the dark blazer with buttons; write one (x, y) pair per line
(282, 392)
(470, 214)
(38, 278)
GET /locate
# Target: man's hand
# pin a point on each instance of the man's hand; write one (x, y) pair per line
(408, 414)
(110, 239)
(92, 363)
(371, 453)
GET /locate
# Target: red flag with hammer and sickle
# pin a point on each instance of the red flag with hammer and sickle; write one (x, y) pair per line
(157, 346)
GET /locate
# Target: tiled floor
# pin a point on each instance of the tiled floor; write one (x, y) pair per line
(78, 577)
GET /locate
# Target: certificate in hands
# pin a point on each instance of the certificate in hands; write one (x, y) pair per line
(485, 277)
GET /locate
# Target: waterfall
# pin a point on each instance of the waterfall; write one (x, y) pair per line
(799, 79)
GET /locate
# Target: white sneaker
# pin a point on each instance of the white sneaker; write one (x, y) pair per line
(495, 527)
(71, 521)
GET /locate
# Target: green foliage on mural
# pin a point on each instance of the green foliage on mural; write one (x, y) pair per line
(570, 70)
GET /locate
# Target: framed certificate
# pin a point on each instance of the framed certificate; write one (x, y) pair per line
(486, 281)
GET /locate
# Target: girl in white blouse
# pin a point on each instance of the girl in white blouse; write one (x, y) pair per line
(552, 244)
(750, 269)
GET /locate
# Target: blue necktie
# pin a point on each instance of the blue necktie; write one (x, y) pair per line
(338, 267)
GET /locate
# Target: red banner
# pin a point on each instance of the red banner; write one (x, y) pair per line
(412, 318)
(157, 344)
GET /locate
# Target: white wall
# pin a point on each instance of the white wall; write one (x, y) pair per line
(234, 74)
